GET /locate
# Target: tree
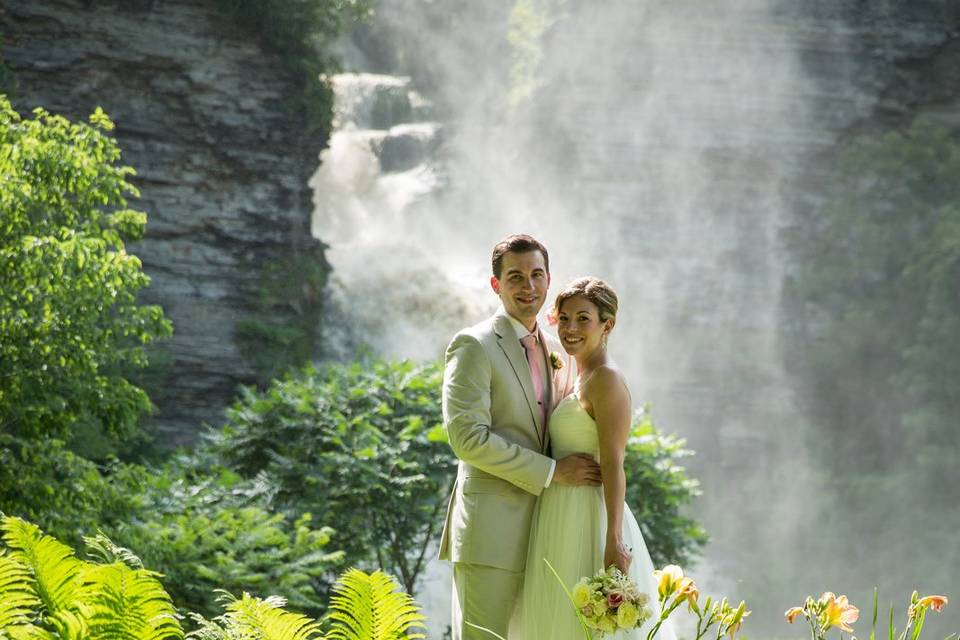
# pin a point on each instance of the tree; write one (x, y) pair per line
(358, 446)
(872, 301)
(69, 321)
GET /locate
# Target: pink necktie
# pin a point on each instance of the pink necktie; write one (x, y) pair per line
(535, 359)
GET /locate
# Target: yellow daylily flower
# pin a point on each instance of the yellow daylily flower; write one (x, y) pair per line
(838, 612)
(667, 579)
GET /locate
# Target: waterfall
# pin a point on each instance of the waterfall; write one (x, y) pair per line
(654, 149)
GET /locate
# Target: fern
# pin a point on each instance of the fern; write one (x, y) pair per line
(250, 618)
(18, 598)
(127, 603)
(52, 565)
(370, 607)
(46, 593)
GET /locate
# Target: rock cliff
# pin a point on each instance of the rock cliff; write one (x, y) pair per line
(208, 119)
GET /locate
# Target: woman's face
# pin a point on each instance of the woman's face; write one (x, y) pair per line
(579, 326)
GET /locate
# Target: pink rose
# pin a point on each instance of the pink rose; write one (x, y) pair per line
(614, 599)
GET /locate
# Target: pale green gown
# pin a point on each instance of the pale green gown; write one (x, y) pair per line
(569, 530)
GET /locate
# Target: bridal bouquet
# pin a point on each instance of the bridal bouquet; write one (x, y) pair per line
(610, 601)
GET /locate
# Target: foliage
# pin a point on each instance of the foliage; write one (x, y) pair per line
(64, 493)
(873, 313)
(303, 33)
(249, 617)
(274, 340)
(47, 592)
(369, 607)
(69, 319)
(657, 490)
(359, 446)
(206, 532)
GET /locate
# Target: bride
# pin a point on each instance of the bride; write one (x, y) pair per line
(582, 530)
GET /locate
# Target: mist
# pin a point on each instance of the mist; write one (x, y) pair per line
(658, 146)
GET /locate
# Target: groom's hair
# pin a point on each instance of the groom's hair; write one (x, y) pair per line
(520, 243)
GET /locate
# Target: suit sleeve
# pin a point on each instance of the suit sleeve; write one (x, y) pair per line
(466, 415)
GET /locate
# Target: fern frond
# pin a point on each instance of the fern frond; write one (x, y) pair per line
(371, 607)
(18, 598)
(105, 551)
(128, 603)
(51, 563)
(265, 619)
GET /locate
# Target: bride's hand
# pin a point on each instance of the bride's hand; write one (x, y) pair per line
(618, 554)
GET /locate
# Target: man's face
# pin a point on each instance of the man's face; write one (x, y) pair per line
(522, 285)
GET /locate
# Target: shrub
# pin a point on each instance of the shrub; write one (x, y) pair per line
(359, 446)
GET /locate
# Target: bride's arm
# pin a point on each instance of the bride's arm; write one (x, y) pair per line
(610, 401)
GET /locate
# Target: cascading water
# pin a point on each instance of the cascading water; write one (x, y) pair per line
(655, 152)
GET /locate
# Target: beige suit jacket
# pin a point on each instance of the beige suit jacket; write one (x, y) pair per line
(494, 427)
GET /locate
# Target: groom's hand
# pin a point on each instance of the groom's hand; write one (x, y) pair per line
(577, 469)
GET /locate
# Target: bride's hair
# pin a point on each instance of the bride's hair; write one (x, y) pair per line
(595, 290)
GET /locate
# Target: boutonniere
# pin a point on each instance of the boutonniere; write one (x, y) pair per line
(555, 361)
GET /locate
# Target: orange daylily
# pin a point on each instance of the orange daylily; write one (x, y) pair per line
(838, 612)
(937, 603)
(934, 602)
(687, 589)
(792, 613)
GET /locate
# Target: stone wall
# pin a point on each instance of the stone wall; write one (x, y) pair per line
(210, 121)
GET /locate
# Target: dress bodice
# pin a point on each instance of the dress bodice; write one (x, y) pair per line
(572, 430)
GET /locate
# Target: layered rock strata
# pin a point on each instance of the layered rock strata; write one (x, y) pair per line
(208, 119)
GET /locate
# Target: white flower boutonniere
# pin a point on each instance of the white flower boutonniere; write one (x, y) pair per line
(556, 361)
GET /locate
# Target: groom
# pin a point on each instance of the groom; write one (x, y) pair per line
(501, 381)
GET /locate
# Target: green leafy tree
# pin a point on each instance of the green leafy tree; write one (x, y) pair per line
(874, 317)
(658, 490)
(359, 446)
(69, 321)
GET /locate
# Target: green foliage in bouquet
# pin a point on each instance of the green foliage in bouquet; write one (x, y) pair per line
(359, 446)
(658, 489)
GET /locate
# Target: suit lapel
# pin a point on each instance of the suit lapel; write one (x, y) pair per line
(507, 339)
(550, 385)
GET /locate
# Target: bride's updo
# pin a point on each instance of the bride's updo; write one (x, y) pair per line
(593, 289)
